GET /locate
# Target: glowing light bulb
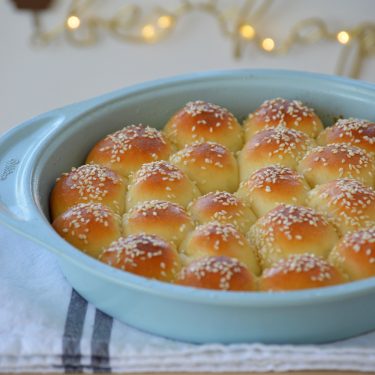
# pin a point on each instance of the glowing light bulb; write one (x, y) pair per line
(73, 22)
(148, 31)
(268, 44)
(165, 22)
(247, 31)
(343, 37)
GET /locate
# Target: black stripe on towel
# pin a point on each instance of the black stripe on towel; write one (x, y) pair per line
(75, 319)
(100, 342)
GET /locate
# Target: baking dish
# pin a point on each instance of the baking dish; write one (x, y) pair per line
(33, 154)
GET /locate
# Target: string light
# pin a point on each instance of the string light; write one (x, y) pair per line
(343, 37)
(129, 25)
(247, 31)
(148, 32)
(268, 44)
(164, 22)
(73, 22)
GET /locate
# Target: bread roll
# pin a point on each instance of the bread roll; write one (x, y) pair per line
(88, 183)
(211, 165)
(127, 149)
(292, 114)
(215, 239)
(300, 271)
(144, 255)
(167, 220)
(201, 121)
(89, 227)
(359, 133)
(267, 187)
(347, 203)
(278, 145)
(222, 207)
(160, 180)
(354, 255)
(326, 163)
(288, 230)
(220, 273)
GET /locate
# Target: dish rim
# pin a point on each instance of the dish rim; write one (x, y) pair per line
(172, 291)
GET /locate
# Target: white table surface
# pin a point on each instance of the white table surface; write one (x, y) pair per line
(33, 81)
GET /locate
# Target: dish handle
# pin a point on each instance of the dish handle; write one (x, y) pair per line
(18, 147)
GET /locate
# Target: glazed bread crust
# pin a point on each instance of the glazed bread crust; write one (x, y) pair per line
(89, 227)
(210, 165)
(288, 230)
(126, 150)
(347, 203)
(160, 180)
(215, 239)
(144, 255)
(278, 145)
(218, 273)
(292, 114)
(270, 186)
(222, 207)
(300, 271)
(339, 160)
(200, 121)
(356, 132)
(88, 183)
(167, 220)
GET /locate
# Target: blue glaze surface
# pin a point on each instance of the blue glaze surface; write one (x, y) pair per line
(33, 154)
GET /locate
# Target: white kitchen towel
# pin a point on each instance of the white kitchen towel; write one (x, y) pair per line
(45, 326)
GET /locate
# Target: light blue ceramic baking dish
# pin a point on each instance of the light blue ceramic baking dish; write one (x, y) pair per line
(33, 154)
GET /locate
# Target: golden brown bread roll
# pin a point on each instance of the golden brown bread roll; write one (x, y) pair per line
(162, 181)
(219, 273)
(89, 227)
(326, 163)
(354, 254)
(287, 230)
(359, 133)
(215, 239)
(278, 145)
(144, 255)
(88, 183)
(223, 207)
(211, 165)
(347, 203)
(300, 271)
(267, 187)
(167, 220)
(201, 121)
(127, 149)
(292, 114)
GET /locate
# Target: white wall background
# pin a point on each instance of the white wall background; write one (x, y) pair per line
(34, 80)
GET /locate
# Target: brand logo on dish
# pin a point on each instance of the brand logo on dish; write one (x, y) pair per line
(8, 169)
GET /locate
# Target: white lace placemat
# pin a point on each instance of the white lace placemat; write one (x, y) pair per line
(45, 326)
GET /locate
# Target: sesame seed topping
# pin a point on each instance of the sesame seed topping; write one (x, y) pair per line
(157, 208)
(361, 241)
(265, 178)
(164, 170)
(137, 249)
(210, 153)
(302, 263)
(280, 111)
(82, 214)
(204, 267)
(198, 107)
(283, 219)
(284, 141)
(123, 140)
(90, 180)
(353, 159)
